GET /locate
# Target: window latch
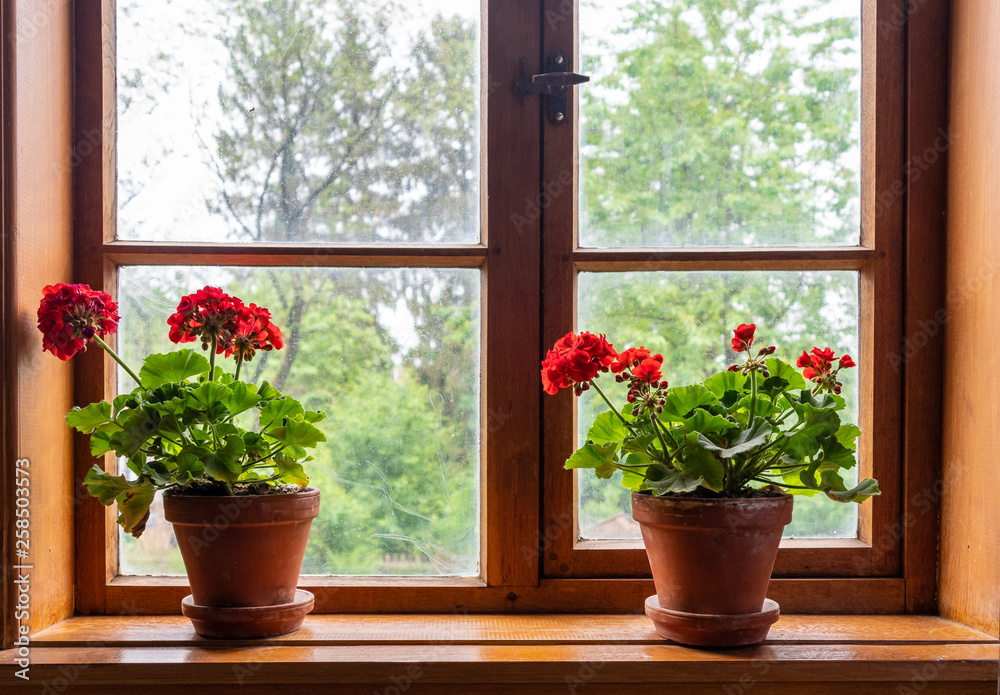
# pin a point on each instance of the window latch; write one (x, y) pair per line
(554, 85)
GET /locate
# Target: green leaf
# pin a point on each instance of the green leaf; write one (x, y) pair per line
(848, 435)
(100, 443)
(833, 453)
(224, 464)
(772, 386)
(208, 395)
(314, 416)
(137, 427)
(267, 392)
(162, 368)
(277, 410)
(607, 428)
(859, 493)
(683, 399)
(662, 480)
(722, 382)
(783, 370)
(706, 423)
(764, 407)
(290, 471)
(242, 397)
(592, 456)
(748, 440)
(88, 419)
(633, 480)
(297, 433)
(698, 461)
(818, 426)
(133, 499)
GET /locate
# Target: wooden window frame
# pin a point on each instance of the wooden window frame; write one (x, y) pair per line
(878, 259)
(896, 546)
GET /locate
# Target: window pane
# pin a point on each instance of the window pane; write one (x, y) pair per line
(720, 122)
(688, 318)
(298, 120)
(392, 357)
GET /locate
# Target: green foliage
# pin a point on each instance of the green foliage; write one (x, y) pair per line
(732, 444)
(178, 427)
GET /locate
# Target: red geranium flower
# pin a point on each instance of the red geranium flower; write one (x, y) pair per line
(69, 316)
(818, 367)
(629, 359)
(743, 337)
(210, 314)
(649, 370)
(254, 331)
(575, 359)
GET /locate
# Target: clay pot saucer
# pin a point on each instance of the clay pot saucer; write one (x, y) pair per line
(248, 622)
(703, 630)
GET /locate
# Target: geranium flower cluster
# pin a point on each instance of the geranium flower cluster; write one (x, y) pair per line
(647, 390)
(741, 342)
(575, 360)
(71, 316)
(818, 368)
(225, 323)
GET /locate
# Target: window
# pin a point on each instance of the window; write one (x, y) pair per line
(435, 204)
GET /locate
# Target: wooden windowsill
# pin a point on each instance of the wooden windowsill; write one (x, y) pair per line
(525, 654)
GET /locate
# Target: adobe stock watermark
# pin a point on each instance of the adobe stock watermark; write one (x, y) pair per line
(551, 191)
(22, 570)
(956, 298)
(914, 169)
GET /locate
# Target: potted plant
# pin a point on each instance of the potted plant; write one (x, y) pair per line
(712, 468)
(228, 455)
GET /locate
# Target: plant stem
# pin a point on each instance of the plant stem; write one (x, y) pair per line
(114, 355)
(753, 398)
(663, 442)
(211, 360)
(611, 405)
(239, 365)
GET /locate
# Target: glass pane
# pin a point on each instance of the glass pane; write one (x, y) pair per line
(298, 121)
(392, 357)
(688, 318)
(720, 122)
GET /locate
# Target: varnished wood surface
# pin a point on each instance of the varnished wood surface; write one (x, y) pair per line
(970, 506)
(510, 413)
(94, 220)
(345, 630)
(8, 317)
(883, 116)
(923, 349)
(534, 667)
(162, 596)
(504, 654)
(748, 258)
(40, 236)
(267, 254)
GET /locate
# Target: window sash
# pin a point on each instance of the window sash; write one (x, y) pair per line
(879, 260)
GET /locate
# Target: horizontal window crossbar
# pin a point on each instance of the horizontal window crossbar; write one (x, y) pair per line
(270, 254)
(729, 258)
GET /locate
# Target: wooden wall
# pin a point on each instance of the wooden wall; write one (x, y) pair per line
(970, 505)
(36, 238)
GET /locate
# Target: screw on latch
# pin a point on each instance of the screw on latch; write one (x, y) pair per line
(554, 85)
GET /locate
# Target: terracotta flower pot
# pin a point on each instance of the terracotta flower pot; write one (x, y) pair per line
(243, 554)
(711, 561)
